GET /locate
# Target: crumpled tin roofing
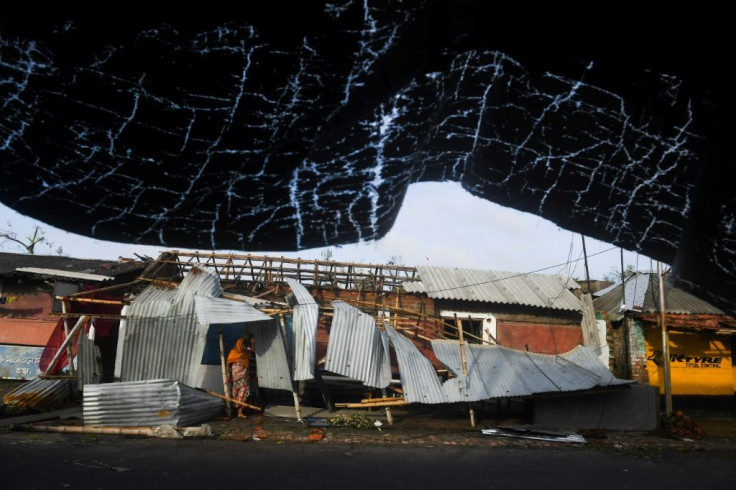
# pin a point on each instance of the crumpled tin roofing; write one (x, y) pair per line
(148, 403)
(223, 311)
(39, 394)
(419, 379)
(163, 337)
(642, 295)
(306, 315)
(272, 363)
(357, 349)
(498, 372)
(539, 290)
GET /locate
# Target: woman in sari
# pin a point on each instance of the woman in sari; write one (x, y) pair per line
(238, 362)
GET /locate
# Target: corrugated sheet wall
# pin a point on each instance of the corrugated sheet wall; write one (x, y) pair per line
(306, 315)
(89, 368)
(357, 348)
(271, 360)
(163, 338)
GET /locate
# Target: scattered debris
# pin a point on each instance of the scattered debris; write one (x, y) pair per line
(359, 421)
(535, 434)
(316, 435)
(681, 426)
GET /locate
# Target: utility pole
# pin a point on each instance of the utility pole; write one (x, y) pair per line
(585, 256)
(623, 287)
(665, 345)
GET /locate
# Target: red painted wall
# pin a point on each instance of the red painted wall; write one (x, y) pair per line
(539, 337)
(19, 331)
(25, 317)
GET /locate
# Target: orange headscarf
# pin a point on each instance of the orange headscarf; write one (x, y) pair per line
(239, 352)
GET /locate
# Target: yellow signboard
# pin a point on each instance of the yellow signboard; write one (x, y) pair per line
(700, 363)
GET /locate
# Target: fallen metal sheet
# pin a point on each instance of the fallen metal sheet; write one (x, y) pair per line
(225, 311)
(163, 337)
(498, 372)
(357, 349)
(535, 434)
(306, 315)
(39, 394)
(272, 364)
(148, 403)
(419, 380)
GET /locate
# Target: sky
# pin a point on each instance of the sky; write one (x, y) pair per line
(459, 230)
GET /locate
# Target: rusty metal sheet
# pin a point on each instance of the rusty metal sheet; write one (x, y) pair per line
(39, 394)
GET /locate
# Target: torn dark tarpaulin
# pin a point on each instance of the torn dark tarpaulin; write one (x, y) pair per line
(295, 126)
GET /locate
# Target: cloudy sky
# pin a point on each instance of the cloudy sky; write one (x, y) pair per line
(458, 230)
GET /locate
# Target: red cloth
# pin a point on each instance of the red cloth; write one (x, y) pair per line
(104, 329)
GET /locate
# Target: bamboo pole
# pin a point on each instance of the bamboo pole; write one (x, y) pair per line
(389, 415)
(232, 400)
(105, 289)
(69, 350)
(464, 362)
(64, 344)
(91, 300)
(86, 429)
(397, 403)
(225, 384)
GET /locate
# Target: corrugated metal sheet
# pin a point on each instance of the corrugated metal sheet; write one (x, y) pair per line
(87, 364)
(306, 314)
(642, 295)
(539, 290)
(303, 296)
(271, 360)
(39, 394)
(163, 338)
(223, 311)
(357, 349)
(148, 403)
(419, 380)
(499, 372)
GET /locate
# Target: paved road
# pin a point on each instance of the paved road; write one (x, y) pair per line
(45, 461)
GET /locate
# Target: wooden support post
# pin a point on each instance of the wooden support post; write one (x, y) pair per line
(389, 416)
(225, 384)
(64, 345)
(69, 351)
(464, 362)
(297, 406)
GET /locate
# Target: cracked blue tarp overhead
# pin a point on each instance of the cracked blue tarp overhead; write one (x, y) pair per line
(297, 127)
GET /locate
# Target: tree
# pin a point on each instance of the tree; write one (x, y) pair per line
(614, 274)
(29, 243)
